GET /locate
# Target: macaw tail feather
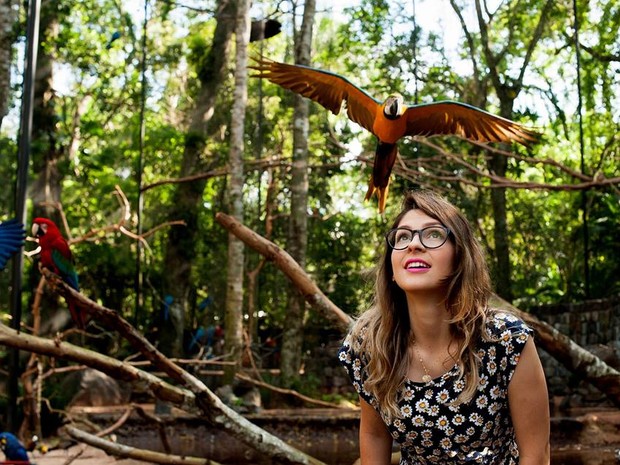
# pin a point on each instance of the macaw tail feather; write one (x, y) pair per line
(385, 157)
(77, 314)
(371, 190)
(382, 194)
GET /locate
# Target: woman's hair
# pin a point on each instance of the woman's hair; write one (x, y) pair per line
(386, 325)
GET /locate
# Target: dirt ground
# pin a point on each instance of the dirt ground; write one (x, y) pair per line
(80, 455)
(584, 437)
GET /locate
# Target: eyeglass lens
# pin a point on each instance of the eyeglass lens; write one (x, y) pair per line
(431, 237)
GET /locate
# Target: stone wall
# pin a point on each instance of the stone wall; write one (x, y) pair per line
(595, 326)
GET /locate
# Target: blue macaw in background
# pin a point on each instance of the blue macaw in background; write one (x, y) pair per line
(113, 38)
(204, 303)
(13, 449)
(197, 339)
(12, 235)
(168, 299)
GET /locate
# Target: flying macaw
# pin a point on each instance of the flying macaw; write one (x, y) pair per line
(13, 449)
(393, 119)
(56, 256)
(12, 235)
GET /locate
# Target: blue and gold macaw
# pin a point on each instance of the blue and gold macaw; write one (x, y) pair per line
(391, 119)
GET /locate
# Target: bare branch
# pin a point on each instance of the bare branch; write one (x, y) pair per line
(289, 267)
(403, 169)
(121, 450)
(288, 392)
(197, 396)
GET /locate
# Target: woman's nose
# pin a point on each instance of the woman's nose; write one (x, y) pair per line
(416, 243)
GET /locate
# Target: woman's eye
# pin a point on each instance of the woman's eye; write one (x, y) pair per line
(404, 236)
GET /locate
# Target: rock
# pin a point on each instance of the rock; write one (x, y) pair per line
(97, 389)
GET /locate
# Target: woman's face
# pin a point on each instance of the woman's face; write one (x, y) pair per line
(418, 268)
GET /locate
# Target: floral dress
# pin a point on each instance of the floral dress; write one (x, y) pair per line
(432, 431)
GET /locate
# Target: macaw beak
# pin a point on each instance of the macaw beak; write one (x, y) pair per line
(38, 230)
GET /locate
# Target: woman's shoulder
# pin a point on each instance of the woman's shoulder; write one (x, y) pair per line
(502, 324)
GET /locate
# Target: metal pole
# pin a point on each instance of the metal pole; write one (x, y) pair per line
(143, 84)
(25, 135)
(584, 193)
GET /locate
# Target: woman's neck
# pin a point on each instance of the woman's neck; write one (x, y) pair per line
(429, 320)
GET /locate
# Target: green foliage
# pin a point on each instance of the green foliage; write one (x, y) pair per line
(97, 124)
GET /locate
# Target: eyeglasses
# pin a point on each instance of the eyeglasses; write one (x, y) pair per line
(431, 237)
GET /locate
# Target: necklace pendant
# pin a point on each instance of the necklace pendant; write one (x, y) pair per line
(427, 378)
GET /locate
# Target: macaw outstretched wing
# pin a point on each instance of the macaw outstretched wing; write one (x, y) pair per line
(328, 89)
(467, 121)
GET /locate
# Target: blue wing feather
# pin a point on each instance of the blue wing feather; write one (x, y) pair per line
(12, 236)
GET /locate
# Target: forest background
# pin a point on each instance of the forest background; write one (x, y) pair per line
(134, 133)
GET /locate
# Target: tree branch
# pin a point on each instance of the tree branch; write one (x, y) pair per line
(289, 267)
(197, 396)
(121, 450)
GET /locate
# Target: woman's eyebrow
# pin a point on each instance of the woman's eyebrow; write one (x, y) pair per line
(424, 225)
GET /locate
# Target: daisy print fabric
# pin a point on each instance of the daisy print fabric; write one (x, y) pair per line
(430, 429)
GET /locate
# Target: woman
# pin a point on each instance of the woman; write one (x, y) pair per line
(451, 380)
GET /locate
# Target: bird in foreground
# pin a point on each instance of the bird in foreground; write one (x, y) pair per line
(13, 449)
(392, 119)
(12, 235)
(56, 256)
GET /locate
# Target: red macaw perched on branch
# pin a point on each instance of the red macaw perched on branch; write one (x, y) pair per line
(12, 235)
(56, 256)
(393, 119)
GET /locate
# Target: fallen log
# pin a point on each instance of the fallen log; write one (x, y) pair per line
(194, 396)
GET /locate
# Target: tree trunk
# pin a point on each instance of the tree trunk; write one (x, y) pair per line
(234, 287)
(8, 16)
(180, 248)
(507, 89)
(502, 280)
(292, 339)
(47, 152)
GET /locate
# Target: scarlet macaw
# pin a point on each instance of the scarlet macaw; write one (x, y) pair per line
(12, 236)
(13, 449)
(56, 256)
(393, 119)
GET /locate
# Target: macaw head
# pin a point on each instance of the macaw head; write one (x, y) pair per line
(43, 226)
(394, 106)
(8, 440)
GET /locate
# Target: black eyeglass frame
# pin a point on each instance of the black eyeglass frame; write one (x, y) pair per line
(420, 236)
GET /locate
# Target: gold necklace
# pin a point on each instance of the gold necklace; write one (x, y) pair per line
(427, 376)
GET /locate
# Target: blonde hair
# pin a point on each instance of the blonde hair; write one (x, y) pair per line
(386, 323)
